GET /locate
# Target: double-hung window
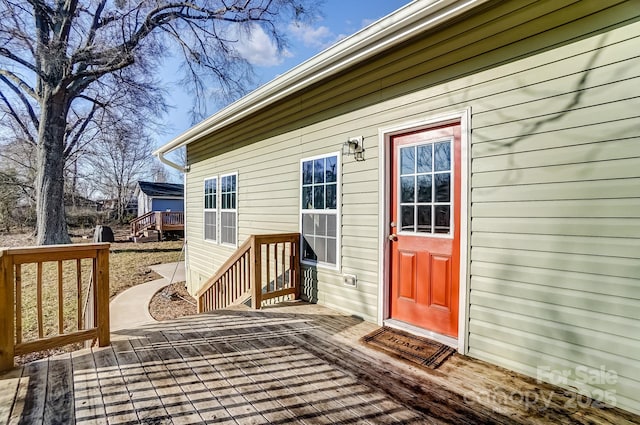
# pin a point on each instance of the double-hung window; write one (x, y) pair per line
(211, 209)
(319, 209)
(220, 209)
(228, 210)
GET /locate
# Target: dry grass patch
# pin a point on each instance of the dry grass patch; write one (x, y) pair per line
(50, 295)
(128, 266)
(129, 262)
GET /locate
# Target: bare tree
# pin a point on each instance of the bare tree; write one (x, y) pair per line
(18, 162)
(10, 192)
(159, 173)
(120, 158)
(61, 62)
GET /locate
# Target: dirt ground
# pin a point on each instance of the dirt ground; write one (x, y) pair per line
(172, 302)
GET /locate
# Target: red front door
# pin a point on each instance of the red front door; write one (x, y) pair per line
(425, 228)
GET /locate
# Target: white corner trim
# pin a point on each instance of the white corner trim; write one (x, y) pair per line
(465, 229)
(384, 134)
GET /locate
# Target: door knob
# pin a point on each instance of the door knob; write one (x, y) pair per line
(393, 237)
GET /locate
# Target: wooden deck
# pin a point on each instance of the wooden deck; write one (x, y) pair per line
(296, 363)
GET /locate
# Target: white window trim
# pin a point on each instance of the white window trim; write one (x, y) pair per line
(205, 210)
(235, 210)
(338, 212)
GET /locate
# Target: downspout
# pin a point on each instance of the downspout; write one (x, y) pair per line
(183, 170)
(170, 163)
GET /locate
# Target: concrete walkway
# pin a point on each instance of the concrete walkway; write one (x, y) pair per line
(130, 308)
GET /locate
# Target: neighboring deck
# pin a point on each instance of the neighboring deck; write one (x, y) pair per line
(161, 222)
(297, 363)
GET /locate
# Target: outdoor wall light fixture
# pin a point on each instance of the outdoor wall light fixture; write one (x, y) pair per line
(354, 146)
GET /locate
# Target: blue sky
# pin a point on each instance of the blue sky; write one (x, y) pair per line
(340, 19)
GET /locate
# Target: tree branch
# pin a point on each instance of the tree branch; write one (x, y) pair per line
(7, 54)
(97, 23)
(17, 119)
(19, 83)
(67, 11)
(76, 137)
(22, 97)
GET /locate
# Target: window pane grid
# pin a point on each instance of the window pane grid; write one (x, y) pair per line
(210, 189)
(228, 192)
(210, 209)
(228, 227)
(424, 192)
(319, 192)
(319, 231)
(319, 184)
(228, 214)
(210, 228)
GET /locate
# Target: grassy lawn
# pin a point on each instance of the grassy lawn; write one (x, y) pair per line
(128, 266)
(129, 262)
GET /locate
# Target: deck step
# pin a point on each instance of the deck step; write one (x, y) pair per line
(147, 236)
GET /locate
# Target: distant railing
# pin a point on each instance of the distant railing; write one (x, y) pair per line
(41, 298)
(162, 221)
(143, 222)
(171, 220)
(263, 267)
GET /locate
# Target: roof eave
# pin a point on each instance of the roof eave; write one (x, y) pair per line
(392, 30)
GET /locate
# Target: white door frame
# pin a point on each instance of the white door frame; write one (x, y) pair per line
(384, 139)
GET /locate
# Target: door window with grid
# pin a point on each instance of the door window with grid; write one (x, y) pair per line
(425, 188)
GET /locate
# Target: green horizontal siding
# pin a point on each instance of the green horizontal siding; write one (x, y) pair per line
(555, 212)
(555, 171)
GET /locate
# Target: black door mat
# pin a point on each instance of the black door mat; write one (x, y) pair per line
(420, 351)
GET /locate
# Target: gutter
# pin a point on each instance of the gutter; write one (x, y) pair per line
(399, 26)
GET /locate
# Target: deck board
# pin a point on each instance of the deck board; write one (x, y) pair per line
(115, 397)
(8, 391)
(89, 406)
(59, 402)
(35, 376)
(291, 363)
(195, 378)
(329, 386)
(144, 377)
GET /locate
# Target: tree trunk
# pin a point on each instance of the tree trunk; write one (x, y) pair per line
(50, 213)
(119, 210)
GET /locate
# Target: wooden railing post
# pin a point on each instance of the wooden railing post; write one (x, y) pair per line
(256, 273)
(200, 302)
(102, 291)
(295, 254)
(159, 223)
(240, 275)
(7, 312)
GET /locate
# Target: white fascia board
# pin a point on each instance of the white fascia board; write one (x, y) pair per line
(399, 26)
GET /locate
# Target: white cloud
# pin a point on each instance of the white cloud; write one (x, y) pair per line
(316, 37)
(257, 48)
(366, 22)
